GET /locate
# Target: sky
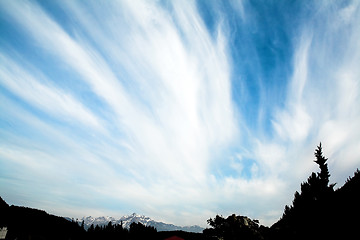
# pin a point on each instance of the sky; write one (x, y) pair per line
(178, 110)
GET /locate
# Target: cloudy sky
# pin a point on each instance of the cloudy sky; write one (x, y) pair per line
(178, 110)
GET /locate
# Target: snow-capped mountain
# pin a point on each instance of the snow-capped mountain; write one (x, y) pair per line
(128, 219)
(96, 221)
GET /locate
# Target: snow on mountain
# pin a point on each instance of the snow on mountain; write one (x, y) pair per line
(96, 221)
(128, 219)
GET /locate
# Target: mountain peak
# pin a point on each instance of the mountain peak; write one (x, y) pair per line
(133, 215)
(127, 220)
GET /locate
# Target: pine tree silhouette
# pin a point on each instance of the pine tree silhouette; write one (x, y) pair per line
(324, 171)
(307, 217)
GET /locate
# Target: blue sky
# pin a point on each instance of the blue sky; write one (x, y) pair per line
(178, 110)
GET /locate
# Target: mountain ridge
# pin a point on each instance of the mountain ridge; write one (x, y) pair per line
(127, 220)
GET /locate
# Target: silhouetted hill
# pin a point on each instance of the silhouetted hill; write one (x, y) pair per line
(28, 223)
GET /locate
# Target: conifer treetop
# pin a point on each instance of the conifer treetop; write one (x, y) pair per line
(321, 161)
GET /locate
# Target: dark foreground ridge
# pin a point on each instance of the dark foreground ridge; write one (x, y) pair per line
(317, 212)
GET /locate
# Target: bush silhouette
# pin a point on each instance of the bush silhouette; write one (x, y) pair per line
(233, 227)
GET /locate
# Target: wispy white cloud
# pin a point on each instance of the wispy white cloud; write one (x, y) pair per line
(174, 110)
(320, 100)
(164, 140)
(50, 99)
(320, 105)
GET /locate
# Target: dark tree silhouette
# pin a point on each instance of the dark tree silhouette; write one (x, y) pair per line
(233, 227)
(319, 212)
(324, 171)
(140, 231)
(91, 228)
(315, 190)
